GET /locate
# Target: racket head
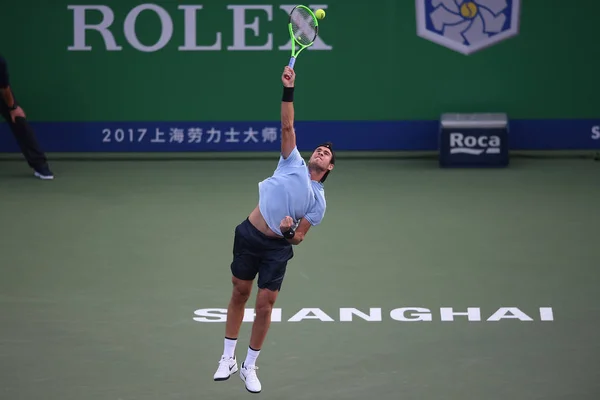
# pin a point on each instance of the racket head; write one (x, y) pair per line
(303, 25)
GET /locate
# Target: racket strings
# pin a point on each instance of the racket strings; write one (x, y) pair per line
(304, 26)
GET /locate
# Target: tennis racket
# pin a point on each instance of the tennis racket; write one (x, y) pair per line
(304, 28)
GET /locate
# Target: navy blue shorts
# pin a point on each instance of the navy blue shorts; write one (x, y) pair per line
(256, 253)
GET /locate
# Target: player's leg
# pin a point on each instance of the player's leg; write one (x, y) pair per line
(265, 300)
(271, 274)
(235, 315)
(237, 304)
(244, 268)
(28, 143)
(264, 306)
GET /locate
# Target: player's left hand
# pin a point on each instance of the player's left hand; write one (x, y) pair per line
(288, 77)
(286, 224)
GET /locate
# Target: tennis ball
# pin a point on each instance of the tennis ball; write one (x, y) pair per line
(320, 13)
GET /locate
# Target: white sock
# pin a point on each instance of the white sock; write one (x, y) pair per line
(229, 350)
(251, 357)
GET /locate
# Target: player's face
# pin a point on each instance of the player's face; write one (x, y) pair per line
(321, 158)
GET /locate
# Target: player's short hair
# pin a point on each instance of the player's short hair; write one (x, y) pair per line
(329, 145)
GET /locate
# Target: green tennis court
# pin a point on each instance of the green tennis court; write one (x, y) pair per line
(421, 283)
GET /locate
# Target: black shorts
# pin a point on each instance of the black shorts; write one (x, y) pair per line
(256, 253)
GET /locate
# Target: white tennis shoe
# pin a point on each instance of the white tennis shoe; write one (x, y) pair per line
(227, 367)
(248, 375)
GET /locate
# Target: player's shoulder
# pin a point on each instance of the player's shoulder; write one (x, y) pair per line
(294, 153)
(294, 158)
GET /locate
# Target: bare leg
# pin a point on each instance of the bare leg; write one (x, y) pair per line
(235, 316)
(235, 310)
(264, 305)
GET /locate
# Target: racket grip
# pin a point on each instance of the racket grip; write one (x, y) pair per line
(291, 65)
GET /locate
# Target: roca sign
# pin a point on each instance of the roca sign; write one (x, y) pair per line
(476, 145)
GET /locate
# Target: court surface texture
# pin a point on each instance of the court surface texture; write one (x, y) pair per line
(421, 283)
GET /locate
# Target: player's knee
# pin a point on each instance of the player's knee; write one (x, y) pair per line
(263, 310)
(240, 295)
(265, 302)
(241, 290)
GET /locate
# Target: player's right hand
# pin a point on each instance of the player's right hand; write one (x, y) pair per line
(286, 224)
(16, 113)
(288, 77)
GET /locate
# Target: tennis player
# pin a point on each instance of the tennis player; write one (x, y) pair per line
(15, 117)
(290, 202)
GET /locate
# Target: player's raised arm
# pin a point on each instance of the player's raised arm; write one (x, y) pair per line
(288, 136)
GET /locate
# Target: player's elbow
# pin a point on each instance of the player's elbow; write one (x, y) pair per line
(287, 128)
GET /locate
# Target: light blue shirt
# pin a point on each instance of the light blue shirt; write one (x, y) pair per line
(291, 192)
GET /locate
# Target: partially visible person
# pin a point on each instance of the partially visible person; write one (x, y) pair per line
(14, 115)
